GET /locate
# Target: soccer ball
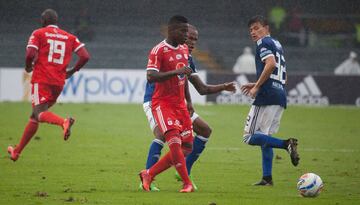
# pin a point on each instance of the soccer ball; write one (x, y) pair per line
(309, 185)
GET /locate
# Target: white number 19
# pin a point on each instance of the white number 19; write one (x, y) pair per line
(56, 47)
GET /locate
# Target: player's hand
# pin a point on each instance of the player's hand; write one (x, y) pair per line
(184, 70)
(190, 108)
(230, 86)
(69, 73)
(246, 88)
(253, 92)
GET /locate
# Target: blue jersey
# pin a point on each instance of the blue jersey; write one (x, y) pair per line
(272, 92)
(150, 87)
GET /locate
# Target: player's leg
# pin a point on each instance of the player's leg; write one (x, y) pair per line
(291, 143)
(203, 132)
(30, 130)
(257, 126)
(45, 96)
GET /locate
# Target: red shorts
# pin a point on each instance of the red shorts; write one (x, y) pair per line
(43, 93)
(174, 118)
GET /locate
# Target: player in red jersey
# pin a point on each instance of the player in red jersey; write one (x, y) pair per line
(167, 66)
(48, 53)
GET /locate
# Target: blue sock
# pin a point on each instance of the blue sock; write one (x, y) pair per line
(266, 141)
(154, 152)
(198, 147)
(267, 158)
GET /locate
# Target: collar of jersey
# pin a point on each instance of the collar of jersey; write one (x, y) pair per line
(55, 26)
(175, 48)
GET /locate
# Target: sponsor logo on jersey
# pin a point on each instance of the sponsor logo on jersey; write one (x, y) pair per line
(56, 35)
(307, 92)
(178, 66)
(178, 56)
(171, 59)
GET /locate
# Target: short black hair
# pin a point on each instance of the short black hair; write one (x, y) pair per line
(49, 16)
(258, 18)
(177, 19)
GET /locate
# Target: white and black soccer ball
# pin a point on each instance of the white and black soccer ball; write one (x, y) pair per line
(309, 185)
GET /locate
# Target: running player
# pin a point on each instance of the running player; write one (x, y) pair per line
(167, 67)
(48, 53)
(270, 98)
(201, 128)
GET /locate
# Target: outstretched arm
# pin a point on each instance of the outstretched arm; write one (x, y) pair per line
(156, 76)
(205, 89)
(84, 57)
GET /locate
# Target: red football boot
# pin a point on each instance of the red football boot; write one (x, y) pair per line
(146, 180)
(187, 188)
(13, 155)
(68, 122)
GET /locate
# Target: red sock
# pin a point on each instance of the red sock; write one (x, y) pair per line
(163, 164)
(29, 132)
(51, 118)
(178, 158)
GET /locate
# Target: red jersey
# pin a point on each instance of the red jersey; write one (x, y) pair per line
(162, 58)
(55, 47)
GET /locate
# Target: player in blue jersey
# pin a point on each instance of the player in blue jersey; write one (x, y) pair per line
(201, 128)
(269, 92)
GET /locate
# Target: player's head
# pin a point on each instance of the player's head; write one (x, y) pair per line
(49, 17)
(192, 37)
(258, 27)
(177, 29)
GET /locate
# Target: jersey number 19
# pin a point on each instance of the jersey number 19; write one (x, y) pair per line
(56, 47)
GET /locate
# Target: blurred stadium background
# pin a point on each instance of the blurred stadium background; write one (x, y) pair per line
(317, 37)
(122, 32)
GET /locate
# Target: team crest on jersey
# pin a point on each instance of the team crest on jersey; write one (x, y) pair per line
(169, 121)
(171, 59)
(178, 56)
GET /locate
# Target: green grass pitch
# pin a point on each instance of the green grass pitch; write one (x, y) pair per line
(109, 143)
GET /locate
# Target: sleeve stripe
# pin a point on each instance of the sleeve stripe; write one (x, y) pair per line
(194, 74)
(77, 48)
(267, 56)
(33, 46)
(155, 69)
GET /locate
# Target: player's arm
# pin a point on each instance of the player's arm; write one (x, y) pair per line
(31, 52)
(205, 89)
(153, 75)
(83, 58)
(270, 65)
(188, 98)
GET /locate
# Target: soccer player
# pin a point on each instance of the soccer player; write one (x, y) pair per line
(167, 67)
(48, 53)
(201, 128)
(270, 98)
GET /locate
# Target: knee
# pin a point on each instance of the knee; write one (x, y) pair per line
(187, 148)
(246, 138)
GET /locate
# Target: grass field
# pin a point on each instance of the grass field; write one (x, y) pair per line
(100, 162)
